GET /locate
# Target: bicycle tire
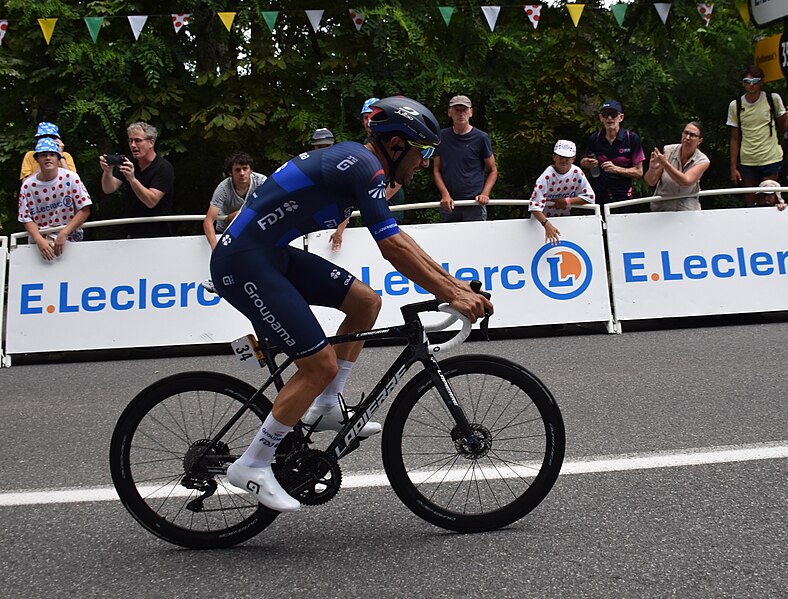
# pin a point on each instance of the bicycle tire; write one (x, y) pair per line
(439, 479)
(157, 440)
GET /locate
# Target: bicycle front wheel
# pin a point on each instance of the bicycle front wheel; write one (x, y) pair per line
(165, 473)
(493, 482)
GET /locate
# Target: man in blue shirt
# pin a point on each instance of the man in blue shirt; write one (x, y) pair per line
(256, 270)
(464, 166)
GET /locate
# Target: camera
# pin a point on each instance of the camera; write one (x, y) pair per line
(115, 159)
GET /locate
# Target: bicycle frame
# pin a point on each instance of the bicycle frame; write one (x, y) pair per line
(416, 350)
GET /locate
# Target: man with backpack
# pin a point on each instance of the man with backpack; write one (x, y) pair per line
(757, 120)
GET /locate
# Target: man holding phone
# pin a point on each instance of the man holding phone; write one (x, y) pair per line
(148, 181)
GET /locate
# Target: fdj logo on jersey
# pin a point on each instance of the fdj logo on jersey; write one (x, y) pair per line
(561, 271)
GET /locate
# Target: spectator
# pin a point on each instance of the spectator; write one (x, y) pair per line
(366, 114)
(773, 198)
(46, 131)
(322, 138)
(461, 161)
(677, 171)
(562, 183)
(231, 194)
(52, 197)
(755, 120)
(614, 156)
(148, 182)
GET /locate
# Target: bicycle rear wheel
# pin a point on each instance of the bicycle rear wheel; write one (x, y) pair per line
(162, 472)
(512, 468)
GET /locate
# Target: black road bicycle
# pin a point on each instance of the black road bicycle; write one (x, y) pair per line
(471, 443)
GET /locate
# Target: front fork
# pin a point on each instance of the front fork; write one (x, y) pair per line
(444, 389)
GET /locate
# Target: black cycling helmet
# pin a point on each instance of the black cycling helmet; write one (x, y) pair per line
(406, 117)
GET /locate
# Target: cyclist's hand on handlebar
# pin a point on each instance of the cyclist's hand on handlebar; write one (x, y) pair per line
(472, 304)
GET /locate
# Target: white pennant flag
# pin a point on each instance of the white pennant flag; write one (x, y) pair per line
(314, 17)
(3, 27)
(137, 22)
(705, 12)
(179, 20)
(358, 18)
(533, 11)
(491, 14)
(663, 8)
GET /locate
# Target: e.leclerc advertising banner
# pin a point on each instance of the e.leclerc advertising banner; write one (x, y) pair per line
(669, 264)
(531, 282)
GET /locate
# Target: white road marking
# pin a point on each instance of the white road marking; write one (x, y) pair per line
(602, 464)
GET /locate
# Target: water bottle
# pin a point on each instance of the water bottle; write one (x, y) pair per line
(594, 169)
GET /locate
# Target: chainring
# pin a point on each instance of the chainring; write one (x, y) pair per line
(310, 475)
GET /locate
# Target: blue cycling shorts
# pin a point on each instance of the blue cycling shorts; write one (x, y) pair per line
(274, 287)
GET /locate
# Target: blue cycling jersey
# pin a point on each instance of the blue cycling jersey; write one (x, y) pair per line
(315, 190)
(272, 283)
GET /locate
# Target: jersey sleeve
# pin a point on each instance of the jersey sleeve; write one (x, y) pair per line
(538, 200)
(733, 120)
(637, 156)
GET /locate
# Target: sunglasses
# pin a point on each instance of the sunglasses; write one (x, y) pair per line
(426, 151)
(610, 113)
(751, 80)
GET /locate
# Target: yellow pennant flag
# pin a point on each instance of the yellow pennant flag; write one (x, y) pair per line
(227, 18)
(575, 10)
(743, 11)
(47, 26)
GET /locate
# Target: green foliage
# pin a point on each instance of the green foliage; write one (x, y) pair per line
(210, 91)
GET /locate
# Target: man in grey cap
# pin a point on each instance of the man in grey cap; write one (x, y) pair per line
(322, 138)
(464, 167)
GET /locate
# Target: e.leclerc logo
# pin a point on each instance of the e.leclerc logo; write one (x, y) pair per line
(562, 271)
(35, 298)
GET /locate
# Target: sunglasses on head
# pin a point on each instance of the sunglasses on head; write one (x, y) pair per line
(751, 80)
(426, 151)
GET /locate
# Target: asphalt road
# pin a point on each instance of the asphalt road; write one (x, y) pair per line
(648, 399)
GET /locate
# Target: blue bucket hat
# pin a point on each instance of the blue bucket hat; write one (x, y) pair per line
(367, 107)
(47, 129)
(46, 144)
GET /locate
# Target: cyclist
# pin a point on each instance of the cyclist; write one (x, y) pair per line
(256, 270)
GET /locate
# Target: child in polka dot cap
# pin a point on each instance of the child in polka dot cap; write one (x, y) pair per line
(52, 197)
(563, 184)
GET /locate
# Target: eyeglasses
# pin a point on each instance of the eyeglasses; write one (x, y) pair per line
(426, 151)
(690, 134)
(751, 80)
(138, 140)
(610, 113)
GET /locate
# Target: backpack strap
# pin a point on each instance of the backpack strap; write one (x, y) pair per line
(773, 120)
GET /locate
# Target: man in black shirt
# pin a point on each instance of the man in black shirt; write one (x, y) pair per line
(148, 182)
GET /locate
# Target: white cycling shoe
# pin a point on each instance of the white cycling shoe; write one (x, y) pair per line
(262, 483)
(333, 420)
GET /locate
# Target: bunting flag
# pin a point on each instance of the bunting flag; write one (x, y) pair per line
(137, 22)
(227, 18)
(446, 13)
(662, 8)
(705, 12)
(357, 17)
(270, 16)
(314, 16)
(94, 25)
(743, 11)
(3, 27)
(575, 10)
(491, 14)
(533, 11)
(179, 20)
(47, 27)
(619, 12)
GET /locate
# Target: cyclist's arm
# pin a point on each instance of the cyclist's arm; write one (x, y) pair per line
(413, 262)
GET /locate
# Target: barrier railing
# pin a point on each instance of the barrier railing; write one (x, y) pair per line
(145, 292)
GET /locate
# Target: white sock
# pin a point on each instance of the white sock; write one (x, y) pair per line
(329, 396)
(260, 453)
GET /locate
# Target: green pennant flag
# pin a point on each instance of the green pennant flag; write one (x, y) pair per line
(270, 18)
(446, 13)
(94, 26)
(619, 11)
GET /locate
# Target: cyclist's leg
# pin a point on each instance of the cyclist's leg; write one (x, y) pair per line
(361, 306)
